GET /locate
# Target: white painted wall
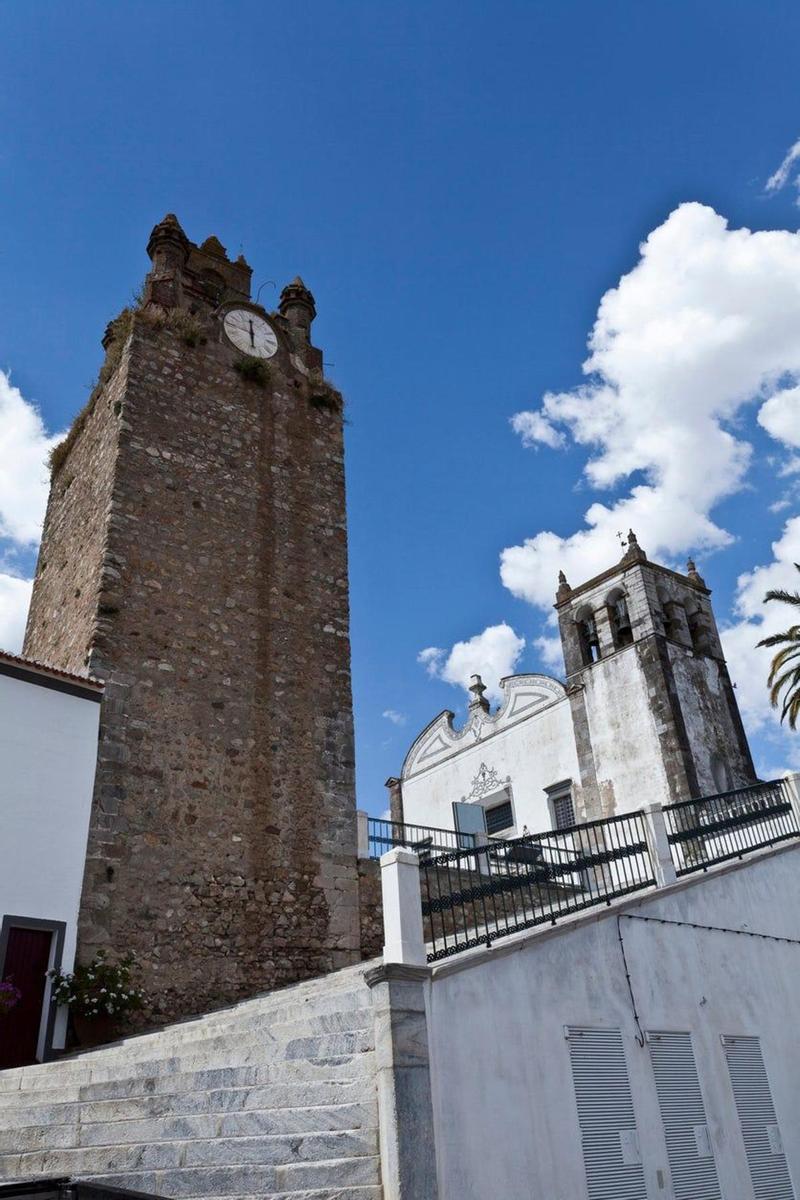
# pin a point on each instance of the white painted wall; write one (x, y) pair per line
(505, 1116)
(622, 727)
(529, 752)
(48, 750)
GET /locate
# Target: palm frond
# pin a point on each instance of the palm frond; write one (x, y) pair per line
(782, 595)
(775, 639)
(791, 709)
(782, 659)
(790, 677)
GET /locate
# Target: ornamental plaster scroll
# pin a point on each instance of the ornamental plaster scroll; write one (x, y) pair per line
(485, 782)
(523, 697)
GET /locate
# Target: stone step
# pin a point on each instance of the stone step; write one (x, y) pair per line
(369, 1192)
(295, 1072)
(362, 1066)
(322, 1048)
(333, 1049)
(334, 1003)
(328, 994)
(314, 1004)
(336, 983)
(41, 1076)
(325, 1118)
(276, 1150)
(305, 1094)
(360, 1175)
(295, 1177)
(262, 1038)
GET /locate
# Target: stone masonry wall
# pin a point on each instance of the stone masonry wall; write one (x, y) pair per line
(202, 572)
(63, 614)
(370, 907)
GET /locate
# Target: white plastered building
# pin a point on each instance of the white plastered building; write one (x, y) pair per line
(646, 714)
(49, 723)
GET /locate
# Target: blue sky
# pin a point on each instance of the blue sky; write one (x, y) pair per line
(459, 184)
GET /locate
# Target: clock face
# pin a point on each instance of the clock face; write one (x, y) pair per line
(250, 333)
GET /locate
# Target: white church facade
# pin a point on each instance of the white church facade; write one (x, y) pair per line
(647, 714)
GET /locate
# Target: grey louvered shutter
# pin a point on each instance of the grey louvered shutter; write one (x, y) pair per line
(605, 1114)
(683, 1114)
(762, 1140)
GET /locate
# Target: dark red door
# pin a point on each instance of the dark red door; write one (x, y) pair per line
(27, 956)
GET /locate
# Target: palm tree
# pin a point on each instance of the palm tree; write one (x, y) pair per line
(784, 674)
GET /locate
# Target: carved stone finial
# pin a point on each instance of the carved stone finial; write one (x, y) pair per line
(477, 687)
(167, 235)
(297, 306)
(564, 590)
(693, 575)
(634, 552)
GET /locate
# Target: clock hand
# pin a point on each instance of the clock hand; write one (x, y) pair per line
(252, 336)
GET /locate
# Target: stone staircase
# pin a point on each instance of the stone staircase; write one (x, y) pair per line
(275, 1097)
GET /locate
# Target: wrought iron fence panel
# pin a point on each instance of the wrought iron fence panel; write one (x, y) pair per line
(472, 897)
(385, 835)
(729, 825)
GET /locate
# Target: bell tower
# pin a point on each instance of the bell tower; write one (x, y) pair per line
(194, 557)
(653, 708)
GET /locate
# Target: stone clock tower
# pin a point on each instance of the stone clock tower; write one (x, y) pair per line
(195, 558)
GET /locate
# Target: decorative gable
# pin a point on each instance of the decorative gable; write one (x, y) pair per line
(523, 696)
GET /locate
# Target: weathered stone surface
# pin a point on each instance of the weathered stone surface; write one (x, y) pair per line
(370, 907)
(195, 558)
(655, 716)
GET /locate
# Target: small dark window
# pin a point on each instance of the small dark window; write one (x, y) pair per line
(620, 620)
(563, 811)
(499, 817)
(589, 641)
(673, 624)
(699, 631)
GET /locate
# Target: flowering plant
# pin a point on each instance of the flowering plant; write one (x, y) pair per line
(98, 989)
(9, 996)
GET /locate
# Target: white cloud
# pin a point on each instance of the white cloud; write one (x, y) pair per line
(780, 178)
(780, 416)
(550, 652)
(24, 449)
(15, 596)
(431, 659)
(492, 654)
(705, 323)
(397, 718)
(534, 428)
(24, 478)
(749, 663)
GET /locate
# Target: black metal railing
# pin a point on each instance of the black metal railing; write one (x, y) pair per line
(729, 825)
(472, 897)
(422, 839)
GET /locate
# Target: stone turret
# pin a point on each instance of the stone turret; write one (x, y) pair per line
(192, 276)
(297, 306)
